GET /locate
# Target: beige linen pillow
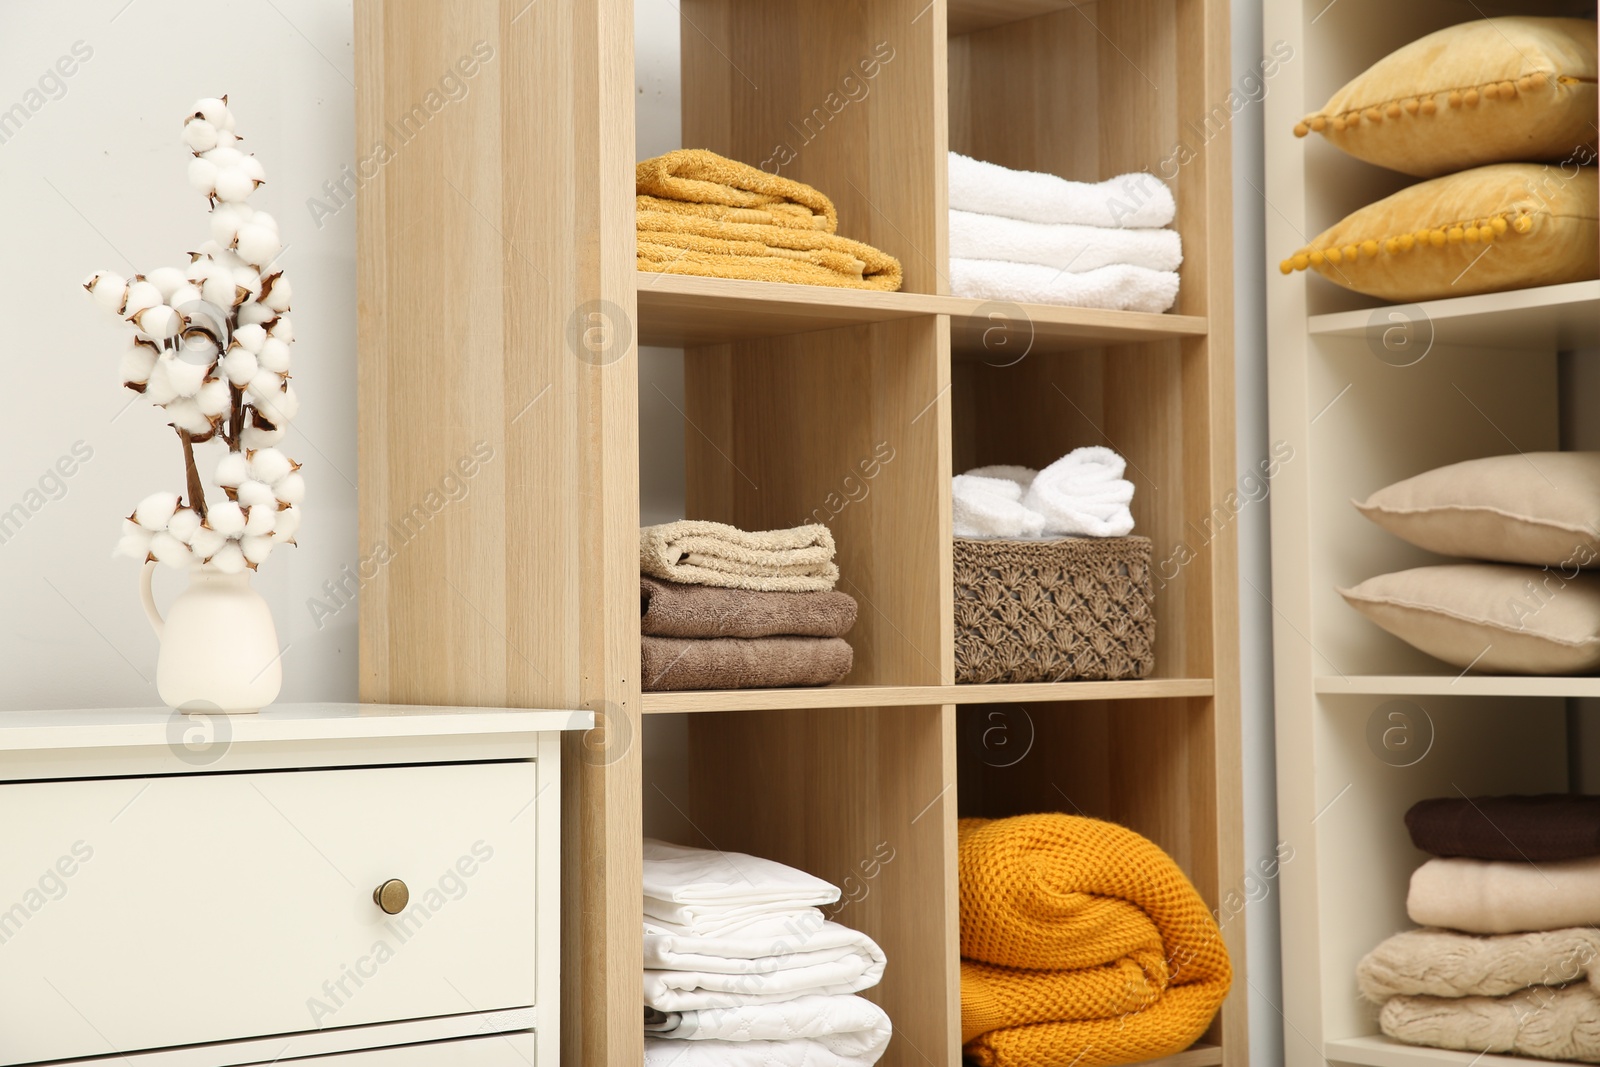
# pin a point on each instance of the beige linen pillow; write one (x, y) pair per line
(1494, 618)
(1495, 90)
(1540, 508)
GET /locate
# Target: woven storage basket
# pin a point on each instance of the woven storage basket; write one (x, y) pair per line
(1050, 611)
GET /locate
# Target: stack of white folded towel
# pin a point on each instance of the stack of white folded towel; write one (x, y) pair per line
(1036, 238)
(1082, 494)
(742, 969)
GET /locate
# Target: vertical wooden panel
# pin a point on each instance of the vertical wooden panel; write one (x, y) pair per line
(499, 217)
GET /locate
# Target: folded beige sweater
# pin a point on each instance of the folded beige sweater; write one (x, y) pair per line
(1551, 1024)
(1491, 897)
(696, 552)
(1443, 963)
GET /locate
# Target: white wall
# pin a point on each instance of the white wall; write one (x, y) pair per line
(94, 178)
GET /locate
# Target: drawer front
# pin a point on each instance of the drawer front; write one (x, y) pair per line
(507, 1050)
(143, 913)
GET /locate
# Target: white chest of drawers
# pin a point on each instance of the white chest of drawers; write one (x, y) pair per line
(355, 885)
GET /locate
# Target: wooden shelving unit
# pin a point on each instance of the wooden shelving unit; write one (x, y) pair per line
(487, 242)
(1475, 376)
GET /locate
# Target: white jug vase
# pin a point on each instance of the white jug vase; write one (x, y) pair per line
(219, 649)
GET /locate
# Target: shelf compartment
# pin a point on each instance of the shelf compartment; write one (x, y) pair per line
(888, 696)
(1551, 318)
(969, 16)
(684, 311)
(1456, 685)
(1377, 1051)
(1001, 332)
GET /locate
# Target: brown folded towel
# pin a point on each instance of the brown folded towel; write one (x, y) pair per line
(672, 609)
(672, 663)
(1517, 829)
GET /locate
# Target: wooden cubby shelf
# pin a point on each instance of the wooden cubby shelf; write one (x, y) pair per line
(1382, 1052)
(889, 696)
(1554, 317)
(1446, 685)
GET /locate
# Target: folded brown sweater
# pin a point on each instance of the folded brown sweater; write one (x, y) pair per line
(672, 663)
(672, 609)
(1518, 829)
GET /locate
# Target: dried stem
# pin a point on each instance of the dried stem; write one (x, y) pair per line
(197, 491)
(236, 419)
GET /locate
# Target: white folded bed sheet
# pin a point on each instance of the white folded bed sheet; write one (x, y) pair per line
(1137, 200)
(709, 891)
(1078, 249)
(1114, 288)
(812, 1031)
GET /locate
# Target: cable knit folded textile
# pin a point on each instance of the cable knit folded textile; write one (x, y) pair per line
(1550, 1024)
(1064, 247)
(1527, 829)
(672, 664)
(1139, 199)
(672, 609)
(1118, 288)
(1443, 963)
(812, 1031)
(1082, 494)
(696, 552)
(1082, 943)
(1485, 897)
(701, 213)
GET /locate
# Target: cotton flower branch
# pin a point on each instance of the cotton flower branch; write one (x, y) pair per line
(211, 349)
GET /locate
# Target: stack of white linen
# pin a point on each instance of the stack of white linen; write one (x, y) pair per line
(1036, 238)
(1082, 494)
(742, 969)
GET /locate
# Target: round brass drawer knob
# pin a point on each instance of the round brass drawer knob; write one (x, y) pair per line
(392, 896)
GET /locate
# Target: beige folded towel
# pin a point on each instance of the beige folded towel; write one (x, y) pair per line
(1443, 963)
(1492, 897)
(696, 552)
(1552, 1024)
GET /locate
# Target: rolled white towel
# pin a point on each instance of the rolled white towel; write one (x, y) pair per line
(814, 1031)
(1023, 476)
(1083, 494)
(991, 507)
(1138, 200)
(1117, 288)
(1078, 249)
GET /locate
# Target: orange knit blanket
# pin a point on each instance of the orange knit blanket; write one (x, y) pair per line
(1082, 944)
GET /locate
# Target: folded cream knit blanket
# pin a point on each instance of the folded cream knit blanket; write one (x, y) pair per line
(1488, 897)
(1551, 1024)
(1443, 963)
(697, 552)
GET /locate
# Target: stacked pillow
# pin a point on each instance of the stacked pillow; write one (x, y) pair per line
(1481, 108)
(1530, 607)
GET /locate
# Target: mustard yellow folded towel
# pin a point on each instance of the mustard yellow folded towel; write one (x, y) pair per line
(699, 213)
(1082, 943)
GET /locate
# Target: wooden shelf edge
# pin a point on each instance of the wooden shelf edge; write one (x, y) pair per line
(1563, 316)
(681, 310)
(1379, 1051)
(1198, 1055)
(891, 696)
(1471, 685)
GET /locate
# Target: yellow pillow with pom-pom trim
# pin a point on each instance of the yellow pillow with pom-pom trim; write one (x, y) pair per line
(1492, 90)
(1487, 230)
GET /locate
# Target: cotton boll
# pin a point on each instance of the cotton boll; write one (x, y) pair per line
(224, 157)
(286, 405)
(159, 323)
(141, 295)
(252, 493)
(261, 437)
(256, 549)
(185, 414)
(229, 559)
(169, 550)
(136, 365)
(253, 314)
(226, 518)
(257, 244)
(215, 111)
(283, 330)
(166, 280)
(214, 398)
(292, 490)
(184, 524)
(269, 465)
(199, 135)
(158, 387)
(232, 184)
(203, 175)
(134, 542)
(156, 510)
(259, 520)
(226, 222)
(265, 386)
(221, 255)
(184, 295)
(249, 280)
(287, 526)
(197, 346)
(186, 378)
(240, 366)
(218, 288)
(275, 291)
(232, 470)
(206, 542)
(261, 218)
(109, 289)
(227, 139)
(274, 356)
(252, 168)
